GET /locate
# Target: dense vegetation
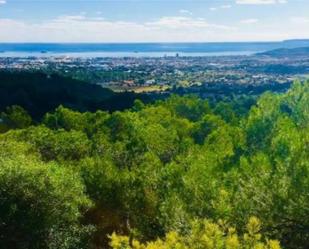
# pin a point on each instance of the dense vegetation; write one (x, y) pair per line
(40, 93)
(178, 172)
(204, 234)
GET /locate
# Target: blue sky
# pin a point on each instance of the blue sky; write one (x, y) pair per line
(152, 20)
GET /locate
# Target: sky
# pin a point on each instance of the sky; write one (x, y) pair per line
(153, 20)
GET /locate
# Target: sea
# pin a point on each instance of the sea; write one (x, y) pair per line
(143, 49)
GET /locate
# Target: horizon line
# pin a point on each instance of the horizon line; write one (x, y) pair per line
(156, 42)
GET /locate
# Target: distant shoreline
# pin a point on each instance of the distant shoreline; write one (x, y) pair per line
(144, 49)
(4, 54)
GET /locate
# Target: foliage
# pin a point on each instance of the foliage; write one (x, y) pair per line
(40, 203)
(204, 234)
(15, 117)
(152, 170)
(39, 93)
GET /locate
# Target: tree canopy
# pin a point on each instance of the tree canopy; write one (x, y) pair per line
(177, 173)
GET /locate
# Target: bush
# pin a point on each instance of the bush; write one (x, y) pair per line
(204, 235)
(40, 204)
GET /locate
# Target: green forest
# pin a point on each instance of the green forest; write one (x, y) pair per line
(178, 173)
(40, 93)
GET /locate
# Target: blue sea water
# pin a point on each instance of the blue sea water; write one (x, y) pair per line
(142, 49)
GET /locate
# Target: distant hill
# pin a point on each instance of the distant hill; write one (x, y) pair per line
(39, 93)
(284, 52)
(296, 43)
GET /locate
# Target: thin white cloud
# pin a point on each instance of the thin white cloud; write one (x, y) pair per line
(187, 12)
(180, 22)
(79, 28)
(259, 2)
(299, 20)
(249, 21)
(2, 1)
(84, 29)
(225, 6)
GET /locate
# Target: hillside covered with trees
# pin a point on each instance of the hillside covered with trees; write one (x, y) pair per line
(39, 93)
(175, 174)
